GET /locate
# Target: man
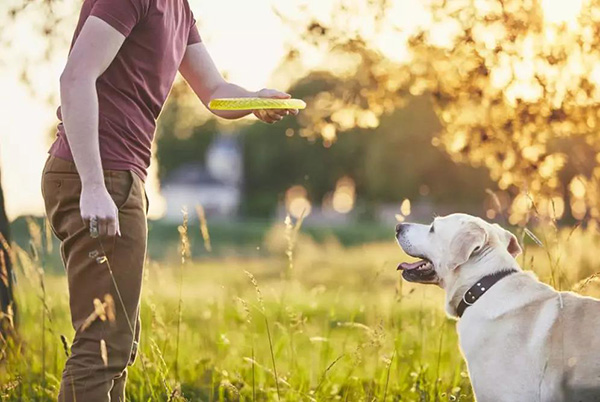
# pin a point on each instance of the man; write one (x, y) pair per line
(123, 61)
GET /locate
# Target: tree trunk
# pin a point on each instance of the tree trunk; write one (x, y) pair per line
(7, 304)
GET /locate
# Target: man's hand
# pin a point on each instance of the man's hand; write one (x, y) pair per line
(199, 70)
(99, 211)
(272, 115)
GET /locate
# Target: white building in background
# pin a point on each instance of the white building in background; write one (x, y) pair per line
(217, 186)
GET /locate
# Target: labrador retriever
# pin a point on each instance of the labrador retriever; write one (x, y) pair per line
(523, 341)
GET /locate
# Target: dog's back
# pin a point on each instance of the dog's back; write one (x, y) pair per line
(545, 345)
(574, 349)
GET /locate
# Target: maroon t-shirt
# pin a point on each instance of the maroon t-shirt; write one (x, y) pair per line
(132, 91)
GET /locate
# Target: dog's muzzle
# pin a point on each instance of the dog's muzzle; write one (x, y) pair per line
(421, 271)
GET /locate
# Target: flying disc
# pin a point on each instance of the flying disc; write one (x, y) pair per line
(255, 103)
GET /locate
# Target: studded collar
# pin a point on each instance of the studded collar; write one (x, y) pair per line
(479, 288)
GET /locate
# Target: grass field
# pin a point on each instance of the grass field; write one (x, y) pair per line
(299, 321)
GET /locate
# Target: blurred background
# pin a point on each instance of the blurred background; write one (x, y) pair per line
(486, 109)
(415, 109)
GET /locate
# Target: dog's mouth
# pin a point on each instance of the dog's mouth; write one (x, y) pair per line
(421, 271)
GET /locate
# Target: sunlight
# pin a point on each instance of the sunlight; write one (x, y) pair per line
(296, 201)
(562, 11)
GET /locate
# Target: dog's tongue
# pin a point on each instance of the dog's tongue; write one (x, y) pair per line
(407, 266)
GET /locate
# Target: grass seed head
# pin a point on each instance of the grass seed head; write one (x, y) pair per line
(257, 289)
(184, 241)
(65, 345)
(246, 308)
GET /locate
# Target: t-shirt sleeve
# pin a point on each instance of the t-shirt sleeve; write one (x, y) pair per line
(122, 15)
(194, 36)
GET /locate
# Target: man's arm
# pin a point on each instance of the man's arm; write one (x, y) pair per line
(199, 70)
(94, 50)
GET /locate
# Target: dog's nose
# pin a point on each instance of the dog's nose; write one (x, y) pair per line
(399, 228)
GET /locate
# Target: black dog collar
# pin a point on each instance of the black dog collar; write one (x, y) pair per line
(477, 290)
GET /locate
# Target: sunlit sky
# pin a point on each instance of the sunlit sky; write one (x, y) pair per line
(245, 38)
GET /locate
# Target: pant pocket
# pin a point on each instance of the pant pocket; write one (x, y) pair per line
(61, 200)
(121, 186)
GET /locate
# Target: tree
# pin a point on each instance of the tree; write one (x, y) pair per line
(277, 157)
(515, 91)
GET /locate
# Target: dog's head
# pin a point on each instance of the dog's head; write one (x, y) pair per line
(448, 244)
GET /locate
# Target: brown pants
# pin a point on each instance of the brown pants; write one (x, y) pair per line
(88, 375)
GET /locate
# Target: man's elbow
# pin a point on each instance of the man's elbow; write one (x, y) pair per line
(72, 78)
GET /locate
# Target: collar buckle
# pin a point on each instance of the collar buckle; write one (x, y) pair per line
(464, 299)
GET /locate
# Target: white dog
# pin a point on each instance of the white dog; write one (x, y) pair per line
(523, 341)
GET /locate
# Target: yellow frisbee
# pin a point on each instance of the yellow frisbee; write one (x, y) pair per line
(255, 103)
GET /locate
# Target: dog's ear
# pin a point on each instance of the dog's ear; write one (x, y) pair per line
(471, 238)
(509, 240)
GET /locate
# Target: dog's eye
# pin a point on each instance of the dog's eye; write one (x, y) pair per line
(431, 229)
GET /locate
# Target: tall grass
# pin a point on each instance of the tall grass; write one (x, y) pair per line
(342, 327)
(184, 246)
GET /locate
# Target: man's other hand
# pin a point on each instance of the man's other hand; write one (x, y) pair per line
(99, 211)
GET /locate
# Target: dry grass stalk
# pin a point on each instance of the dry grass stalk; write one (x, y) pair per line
(103, 352)
(387, 377)
(8, 316)
(103, 311)
(248, 314)
(263, 311)
(185, 254)
(204, 227)
(259, 297)
(175, 394)
(291, 236)
(94, 254)
(7, 249)
(11, 315)
(184, 243)
(48, 235)
(4, 243)
(329, 367)
(11, 385)
(246, 308)
(3, 270)
(99, 310)
(226, 384)
(88, 321)
(582, 284)
(109, 306)
(65, 345)
(533, 237)
(35, 232)
(289, 252)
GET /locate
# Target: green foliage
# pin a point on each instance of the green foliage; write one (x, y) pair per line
(388, 163)
(515, 87)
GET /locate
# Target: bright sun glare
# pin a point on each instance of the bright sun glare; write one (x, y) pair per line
(562, 11)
